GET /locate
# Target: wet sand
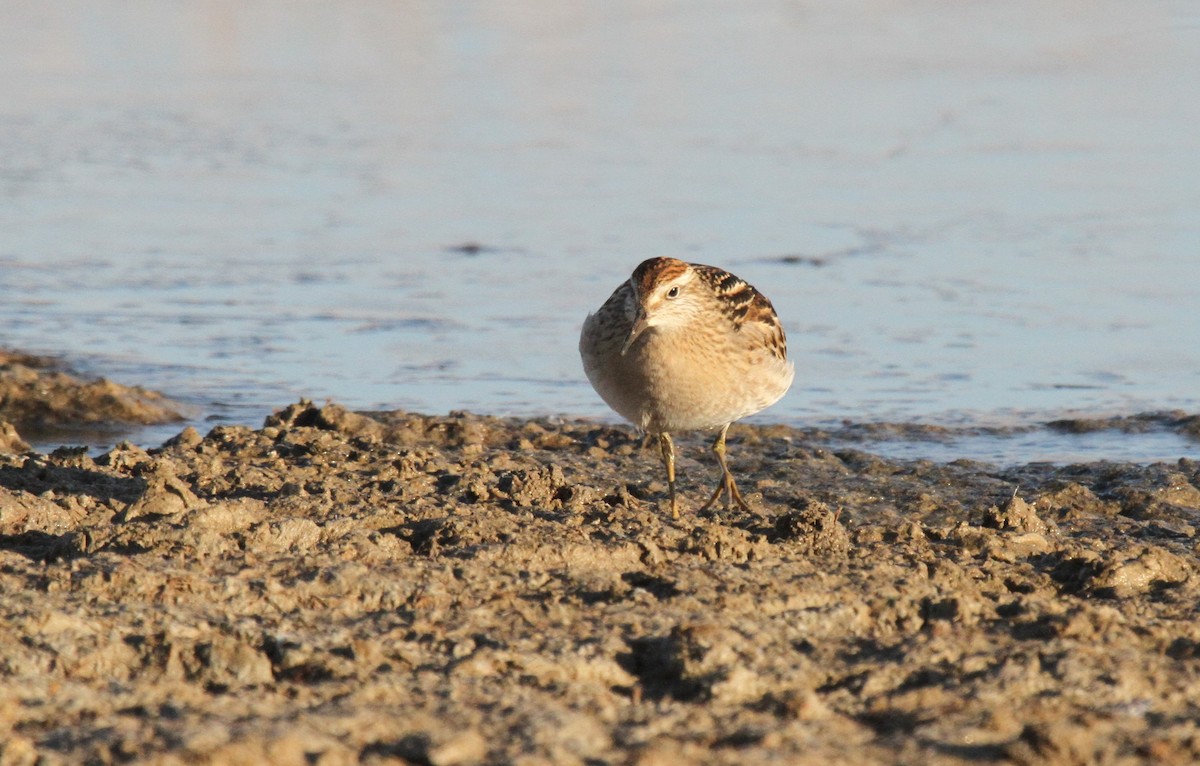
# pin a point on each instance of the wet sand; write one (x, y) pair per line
(339, 587)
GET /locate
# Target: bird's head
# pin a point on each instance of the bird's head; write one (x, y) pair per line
(664, 295)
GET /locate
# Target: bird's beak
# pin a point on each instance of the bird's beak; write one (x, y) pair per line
(640, 324)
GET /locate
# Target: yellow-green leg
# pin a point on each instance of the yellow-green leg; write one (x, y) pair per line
(726, 486)
(668, 456)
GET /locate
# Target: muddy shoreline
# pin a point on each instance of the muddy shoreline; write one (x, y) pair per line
(40, 399)
(339, 587)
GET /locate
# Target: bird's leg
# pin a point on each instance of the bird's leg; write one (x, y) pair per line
(668, 456)
(726, 486)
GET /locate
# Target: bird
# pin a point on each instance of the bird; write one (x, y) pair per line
(685, 347)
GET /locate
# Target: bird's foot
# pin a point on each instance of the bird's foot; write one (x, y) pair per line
(728, 488)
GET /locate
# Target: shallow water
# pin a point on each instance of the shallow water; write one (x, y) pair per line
(966, 214)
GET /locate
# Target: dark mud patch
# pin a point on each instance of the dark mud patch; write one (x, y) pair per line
(1175, 421)
(339, 587)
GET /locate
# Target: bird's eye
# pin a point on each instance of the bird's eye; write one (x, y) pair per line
(673, 292)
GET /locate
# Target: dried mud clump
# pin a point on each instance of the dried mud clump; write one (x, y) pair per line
(340, 587)
(811, 527)
(10, 440)
(37, 398)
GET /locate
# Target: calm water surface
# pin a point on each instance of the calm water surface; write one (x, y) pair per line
(965, 213)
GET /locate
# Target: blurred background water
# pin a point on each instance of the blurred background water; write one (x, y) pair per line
(980, 213)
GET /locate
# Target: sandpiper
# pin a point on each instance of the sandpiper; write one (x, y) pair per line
(681, 347)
